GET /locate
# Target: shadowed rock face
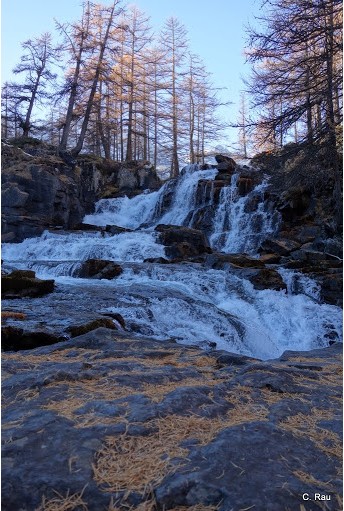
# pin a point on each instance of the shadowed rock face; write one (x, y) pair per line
(42, 189)
(20, 283)
(106, 417)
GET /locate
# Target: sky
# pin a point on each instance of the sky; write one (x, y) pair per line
(216, 30)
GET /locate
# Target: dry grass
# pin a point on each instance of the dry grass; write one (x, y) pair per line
(156, 392)
(308, 360)
(308, 426)
(245, 408)
(55, 356)
(26, 394)
(310, 480)
(63, 503)
(139, 463)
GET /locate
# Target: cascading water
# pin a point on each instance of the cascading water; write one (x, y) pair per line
(242, 223)
(187, 302)
(150, 208)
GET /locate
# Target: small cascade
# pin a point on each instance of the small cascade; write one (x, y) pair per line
(184, 200)
(241, 223)
(298, 283)
(59, 254)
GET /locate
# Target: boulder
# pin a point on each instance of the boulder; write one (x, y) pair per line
(76, 330)
(16, 339)
(281, 246)
(225, 163)
(182, 242)
(99, 269)
(267, 279)
(23, 283)
(220, 261)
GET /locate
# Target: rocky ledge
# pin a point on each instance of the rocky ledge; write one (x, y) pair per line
(107, 422)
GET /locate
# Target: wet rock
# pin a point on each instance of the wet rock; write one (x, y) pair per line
(182, 242)
(77, 330)
(280, 246)
(267, 279)
(87, 227)
(99, 269)
(220, 261)
(245, 185)
(23, 283)
(159, 260)
(294, 203)
(116, 229)
(270, 258)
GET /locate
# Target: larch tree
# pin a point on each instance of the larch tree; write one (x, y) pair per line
(76, 43)
(39, 55)
(293, 59)
(173, 40)
(106, 15)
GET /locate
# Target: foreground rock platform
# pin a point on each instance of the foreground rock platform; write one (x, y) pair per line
(110, 422)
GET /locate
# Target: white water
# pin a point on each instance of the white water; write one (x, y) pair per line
(186, 302)
(146, 208)
(235, 227)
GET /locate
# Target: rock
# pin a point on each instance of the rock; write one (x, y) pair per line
(127, 179)
(225, 163)
(117, 317)
(294, 203)
(220, 261)
(159, 260)
(133, 176)
(87, 227)
(267, 279)
(148, 178)
(116, 229)
(245, 185)
(16, 339)
(22, 283)
(41, 190)
(99, 269)
(270, 258)
(77, 330)
(248, 268)
(279, 246)
(182, 242)
(109, 418)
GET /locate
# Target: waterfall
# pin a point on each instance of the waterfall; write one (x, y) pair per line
(239, 223)
(186, 302)
(242, 223)
(170, 205)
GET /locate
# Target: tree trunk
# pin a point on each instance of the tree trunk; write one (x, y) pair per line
(76, 150)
